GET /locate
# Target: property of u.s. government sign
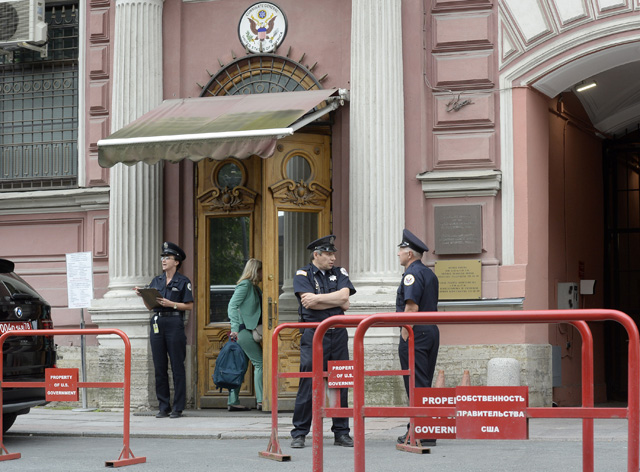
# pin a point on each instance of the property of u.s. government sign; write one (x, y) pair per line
(481, 413)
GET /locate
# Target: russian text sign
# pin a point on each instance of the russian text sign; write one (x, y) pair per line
(492, 412)
(61, 385)
(341, 374)
(435, 427)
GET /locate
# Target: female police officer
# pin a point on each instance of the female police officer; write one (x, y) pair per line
(167, 335)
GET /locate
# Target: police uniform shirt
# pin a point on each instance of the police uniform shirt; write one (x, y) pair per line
(419, 284)
(178, 290)
(310, 279)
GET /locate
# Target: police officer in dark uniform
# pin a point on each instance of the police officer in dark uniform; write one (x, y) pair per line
(322, 291)
(167, 330)
(418, 292)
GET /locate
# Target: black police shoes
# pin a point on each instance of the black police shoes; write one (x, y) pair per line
(162, 414)
(423, 442)
(238, 408)
(298, 442)
(344, 440)
(175, 414)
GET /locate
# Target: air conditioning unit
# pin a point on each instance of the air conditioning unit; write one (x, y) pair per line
(22, 22)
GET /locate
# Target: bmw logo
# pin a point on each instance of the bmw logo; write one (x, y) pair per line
(18, 312)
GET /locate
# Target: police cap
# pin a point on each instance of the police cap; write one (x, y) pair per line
(410, 240)
(171, 249)
(324, 244)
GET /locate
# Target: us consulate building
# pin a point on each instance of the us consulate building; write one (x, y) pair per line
(503, 133)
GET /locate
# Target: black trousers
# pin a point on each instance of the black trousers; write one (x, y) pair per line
(426, 344)
(171, 341)
(335, 348)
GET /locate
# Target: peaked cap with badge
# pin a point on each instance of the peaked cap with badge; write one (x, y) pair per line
(324, 244)
(171, 249)
(410, 240)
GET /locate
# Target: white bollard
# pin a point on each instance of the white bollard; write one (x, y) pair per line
(503, 372)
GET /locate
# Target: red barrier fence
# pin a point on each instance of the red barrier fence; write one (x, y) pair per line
(576, 317)
(274, 451)
(126, 456)
(587, 412)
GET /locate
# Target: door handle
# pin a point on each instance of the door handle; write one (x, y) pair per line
(272, 312)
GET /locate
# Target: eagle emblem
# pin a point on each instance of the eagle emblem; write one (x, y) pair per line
(262, 27)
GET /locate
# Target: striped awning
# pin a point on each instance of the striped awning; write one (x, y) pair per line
(216, 127)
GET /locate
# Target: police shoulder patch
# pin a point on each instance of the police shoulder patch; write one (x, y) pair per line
(189, 286)
(302, 272)
(409, 279)
(344, 271)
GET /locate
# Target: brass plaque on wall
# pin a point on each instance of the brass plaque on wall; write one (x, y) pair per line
(459, 280)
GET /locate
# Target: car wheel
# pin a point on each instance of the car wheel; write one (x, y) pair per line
(7, 421)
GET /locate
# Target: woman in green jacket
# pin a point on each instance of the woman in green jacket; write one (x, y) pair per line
(245, 313)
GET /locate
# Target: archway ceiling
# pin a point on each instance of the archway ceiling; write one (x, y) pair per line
(614, 104)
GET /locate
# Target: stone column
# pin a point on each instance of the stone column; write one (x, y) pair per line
(376, 175)
(376, 180)
(135, 207)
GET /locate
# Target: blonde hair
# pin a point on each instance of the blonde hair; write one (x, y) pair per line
(250, 271)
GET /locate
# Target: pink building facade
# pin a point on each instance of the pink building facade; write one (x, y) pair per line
(455, 107)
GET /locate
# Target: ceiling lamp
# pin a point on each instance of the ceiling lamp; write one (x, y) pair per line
(586, 85)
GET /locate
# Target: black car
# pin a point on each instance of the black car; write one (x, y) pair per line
(24, 357)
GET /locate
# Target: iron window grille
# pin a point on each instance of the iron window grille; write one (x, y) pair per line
(39, 109)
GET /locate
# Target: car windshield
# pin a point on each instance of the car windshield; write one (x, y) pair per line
(12, 286)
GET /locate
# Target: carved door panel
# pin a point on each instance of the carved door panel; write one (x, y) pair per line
(229, 232)
(297, 210)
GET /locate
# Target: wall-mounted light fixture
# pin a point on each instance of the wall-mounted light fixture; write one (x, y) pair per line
(586, 85)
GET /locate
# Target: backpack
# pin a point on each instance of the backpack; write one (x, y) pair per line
(231, 365)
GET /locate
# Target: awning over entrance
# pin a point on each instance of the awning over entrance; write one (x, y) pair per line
(215, 127)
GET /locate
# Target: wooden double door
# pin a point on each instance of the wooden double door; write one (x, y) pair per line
(269, 209)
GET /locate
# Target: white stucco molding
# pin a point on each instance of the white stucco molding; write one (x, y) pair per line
(532, 67)
(58, 201)
(460, 183)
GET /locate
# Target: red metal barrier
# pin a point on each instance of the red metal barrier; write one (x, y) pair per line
(126, 456)
(587, 412)
(274, 451)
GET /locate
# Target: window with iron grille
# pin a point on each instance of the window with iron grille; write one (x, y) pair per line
(39, 109)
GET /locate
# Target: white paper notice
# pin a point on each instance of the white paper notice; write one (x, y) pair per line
(79, 279)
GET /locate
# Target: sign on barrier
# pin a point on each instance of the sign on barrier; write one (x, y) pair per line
(492, 412)
(340, 374)
(481, 413)
(61, 385)
(435, 427)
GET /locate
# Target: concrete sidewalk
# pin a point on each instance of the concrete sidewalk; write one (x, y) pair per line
(222, 424)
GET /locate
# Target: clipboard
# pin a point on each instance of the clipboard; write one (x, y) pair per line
(150, 295)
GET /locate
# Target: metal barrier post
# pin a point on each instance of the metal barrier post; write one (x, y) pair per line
(274, 451)
(318, 384)
(126, 456)
(587, 394)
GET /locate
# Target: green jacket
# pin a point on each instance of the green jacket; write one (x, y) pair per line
(245, 306)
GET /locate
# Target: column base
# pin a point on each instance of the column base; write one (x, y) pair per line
(132, 317)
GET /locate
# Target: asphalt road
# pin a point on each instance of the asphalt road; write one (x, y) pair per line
(70, 454)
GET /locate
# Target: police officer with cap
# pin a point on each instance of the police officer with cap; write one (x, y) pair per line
(167, 330)
(418, 292)
(323, 290)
